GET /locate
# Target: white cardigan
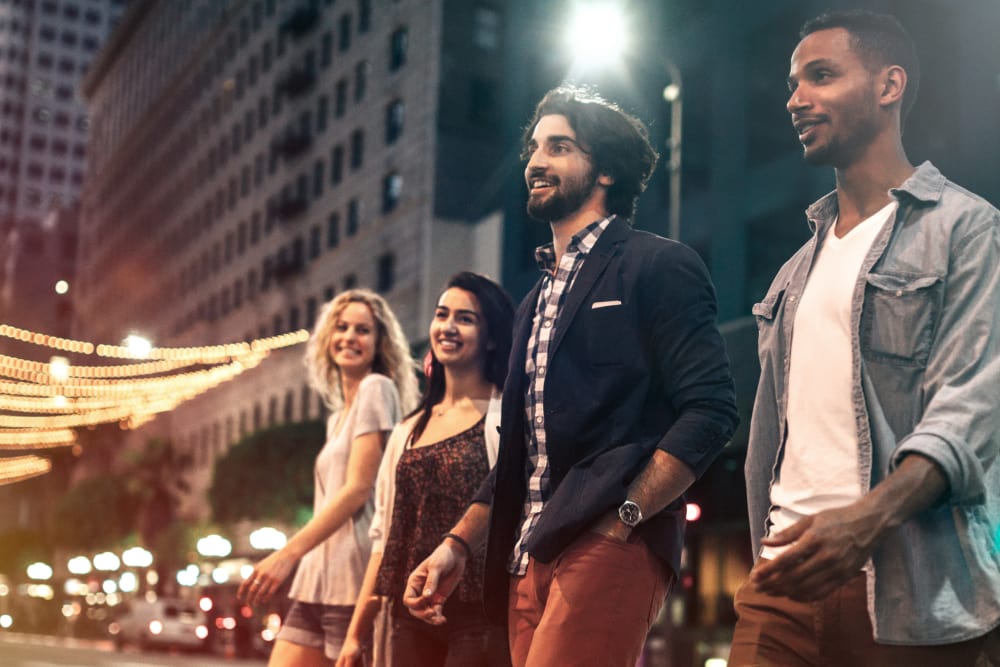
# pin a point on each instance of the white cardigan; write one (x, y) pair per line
(385, 483)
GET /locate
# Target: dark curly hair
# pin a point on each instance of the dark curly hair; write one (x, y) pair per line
(617, 143)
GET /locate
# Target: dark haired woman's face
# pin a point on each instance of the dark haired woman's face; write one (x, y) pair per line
(458, 330)
(560, 176)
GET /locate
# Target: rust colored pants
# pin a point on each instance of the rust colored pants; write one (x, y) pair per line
(591, 606)
(780, 632)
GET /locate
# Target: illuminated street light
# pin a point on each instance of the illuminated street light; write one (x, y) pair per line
(137, 557)
(597, 35)
(78, 565)
(214, 546)
(137, 346)
(106, 562)
(40, 571)
(188, 576)
(62, 287)
(267, 538)
(128, 582)
(59, 368)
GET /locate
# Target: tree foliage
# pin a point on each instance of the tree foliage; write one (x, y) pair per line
(268, 475)
(94, 514)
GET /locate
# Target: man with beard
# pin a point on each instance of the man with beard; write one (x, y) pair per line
(618, 396)
(872, 482)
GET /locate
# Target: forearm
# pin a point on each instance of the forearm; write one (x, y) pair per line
(473, 525)
(915, 485)
(662, 481)
(342, 506)
(367, 606)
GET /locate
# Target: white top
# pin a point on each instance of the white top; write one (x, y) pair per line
(385, 484)
(819, 467)
(332, 572)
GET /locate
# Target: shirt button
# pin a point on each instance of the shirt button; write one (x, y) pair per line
(541, 370)
(792, 298)
(547, 323)
(899, 292)
(538, 420)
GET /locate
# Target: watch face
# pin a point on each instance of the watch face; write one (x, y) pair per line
(629, 513)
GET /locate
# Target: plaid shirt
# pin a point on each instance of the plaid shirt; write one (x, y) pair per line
(557, 281)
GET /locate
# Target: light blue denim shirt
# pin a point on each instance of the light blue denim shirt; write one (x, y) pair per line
(925, 326)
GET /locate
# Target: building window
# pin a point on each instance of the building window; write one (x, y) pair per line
(353, 217)
(394, 121)
(364, 15)
(340, 105)
(322, 111)
(315, 241)
(337, 165)
(397, 49)
(345, 32)
(326, 50)
(357, 149)
(333, 231)
(386, 272)
(350, 281)
(392, 190)
(318, 178)
(361, 80)
(311, 307)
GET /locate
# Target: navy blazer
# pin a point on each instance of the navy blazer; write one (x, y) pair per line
(636, 364)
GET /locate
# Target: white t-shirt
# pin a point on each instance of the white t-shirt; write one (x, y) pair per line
(332, 572)
(819, 469)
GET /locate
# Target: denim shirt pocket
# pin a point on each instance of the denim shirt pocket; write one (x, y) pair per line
(766, 313)
(899, 317)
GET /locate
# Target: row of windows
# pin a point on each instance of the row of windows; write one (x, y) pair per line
(58, 147)
(69, 38)
(65, 65)
(231, 299)
(70, 12)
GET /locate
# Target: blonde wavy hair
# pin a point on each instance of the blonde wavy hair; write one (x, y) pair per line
(392, 351)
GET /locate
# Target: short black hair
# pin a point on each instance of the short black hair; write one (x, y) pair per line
(617, 143)
(880, 40)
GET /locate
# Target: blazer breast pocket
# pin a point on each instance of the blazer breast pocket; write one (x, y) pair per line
(605, 329)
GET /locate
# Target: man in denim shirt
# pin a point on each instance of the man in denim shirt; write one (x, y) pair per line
(873, 495)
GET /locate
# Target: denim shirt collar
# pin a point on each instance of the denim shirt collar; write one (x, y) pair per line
(924, 185)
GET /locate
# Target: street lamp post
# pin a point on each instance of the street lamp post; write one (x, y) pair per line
(673, 94)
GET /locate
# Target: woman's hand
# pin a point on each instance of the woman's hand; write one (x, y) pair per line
(266, 578)
(351, 653)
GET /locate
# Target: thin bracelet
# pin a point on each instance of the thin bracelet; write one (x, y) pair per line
(461, 541)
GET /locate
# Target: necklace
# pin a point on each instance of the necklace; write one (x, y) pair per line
(439, 411)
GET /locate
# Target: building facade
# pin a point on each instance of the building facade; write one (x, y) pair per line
(252, 158)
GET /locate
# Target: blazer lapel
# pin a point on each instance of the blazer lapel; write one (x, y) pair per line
(592, 269)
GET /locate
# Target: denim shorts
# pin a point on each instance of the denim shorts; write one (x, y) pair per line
(320, 626)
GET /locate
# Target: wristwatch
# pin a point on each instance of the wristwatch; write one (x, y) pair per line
(630, 513)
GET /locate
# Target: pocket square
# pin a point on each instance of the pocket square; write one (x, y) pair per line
(605, 304)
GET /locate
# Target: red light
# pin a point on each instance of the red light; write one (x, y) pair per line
(693, 512)
(246, 611)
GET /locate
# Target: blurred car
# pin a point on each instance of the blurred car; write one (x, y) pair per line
(165, 623)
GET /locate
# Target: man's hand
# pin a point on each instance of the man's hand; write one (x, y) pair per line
(610, 526)
(433, 581)
(827, 549)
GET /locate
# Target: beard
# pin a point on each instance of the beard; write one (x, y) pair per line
(858, 129)
(567, 196)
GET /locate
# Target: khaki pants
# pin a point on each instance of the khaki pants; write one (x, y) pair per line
(591, 606)
(780, 632)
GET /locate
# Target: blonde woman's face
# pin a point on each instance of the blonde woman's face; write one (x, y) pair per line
(354, 340)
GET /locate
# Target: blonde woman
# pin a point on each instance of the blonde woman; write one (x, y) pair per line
(359, 361)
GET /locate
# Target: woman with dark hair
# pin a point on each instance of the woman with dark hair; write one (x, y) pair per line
(434, 463)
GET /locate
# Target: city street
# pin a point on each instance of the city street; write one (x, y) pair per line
(39, 651)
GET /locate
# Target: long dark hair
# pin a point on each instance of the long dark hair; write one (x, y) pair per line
(498, 314)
